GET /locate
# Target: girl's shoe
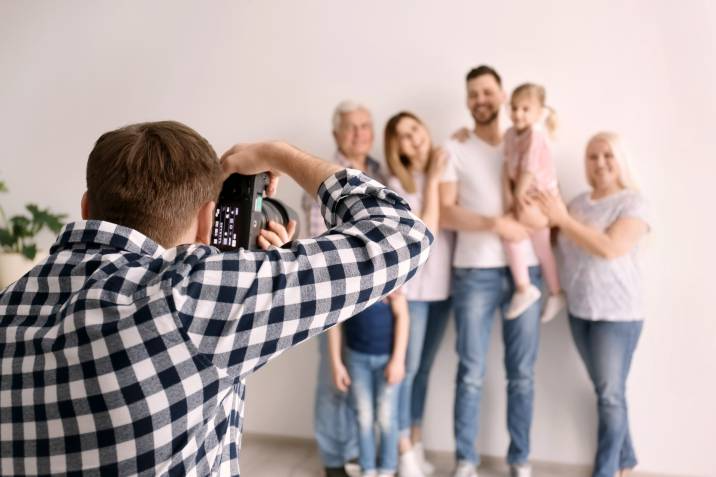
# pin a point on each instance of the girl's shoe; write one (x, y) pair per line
(521, 301)
(555, 304)
(427, 467)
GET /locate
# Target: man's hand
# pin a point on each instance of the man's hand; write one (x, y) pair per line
(509, 229)
(461, 135)
(341, 378)
(276, 235)
(250, 159)
(395, 371)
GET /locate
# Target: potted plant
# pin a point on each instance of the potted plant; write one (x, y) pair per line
(18, 235)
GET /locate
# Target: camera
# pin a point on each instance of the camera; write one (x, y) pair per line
(243, 210)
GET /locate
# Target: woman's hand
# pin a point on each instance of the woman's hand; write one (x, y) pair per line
(276, 235)
(552, 206)
(341, 378)
(395, 371)
(436, 166)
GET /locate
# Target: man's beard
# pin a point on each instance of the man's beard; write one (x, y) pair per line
(486, 121)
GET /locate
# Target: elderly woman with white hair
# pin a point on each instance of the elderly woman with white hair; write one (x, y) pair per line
(600, 231)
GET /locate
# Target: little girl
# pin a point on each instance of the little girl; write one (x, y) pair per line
(376, 342)
(529, 168)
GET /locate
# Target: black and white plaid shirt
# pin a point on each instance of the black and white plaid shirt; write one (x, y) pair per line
(119, 357)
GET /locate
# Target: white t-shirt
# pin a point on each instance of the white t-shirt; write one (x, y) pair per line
(476, 166)
(432, 282)
(599, 288)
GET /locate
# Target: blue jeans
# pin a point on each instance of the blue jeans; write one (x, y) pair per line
(478, 293)
(334, 420)
(376, 403)
(428, 320)
(607, 347)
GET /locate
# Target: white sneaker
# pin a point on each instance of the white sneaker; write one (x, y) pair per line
(555, 304)
(409, 466)
(371, 473)
(465, 469)
(521, 301)
(427, 467)
(522, 470)
(386, 474)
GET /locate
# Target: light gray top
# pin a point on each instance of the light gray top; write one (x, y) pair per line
(598, 288)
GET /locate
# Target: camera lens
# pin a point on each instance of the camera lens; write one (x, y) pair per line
(277, 211)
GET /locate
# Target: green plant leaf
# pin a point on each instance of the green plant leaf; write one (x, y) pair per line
(3, 187)
(29, 251)
(20, 226)
(6, 238)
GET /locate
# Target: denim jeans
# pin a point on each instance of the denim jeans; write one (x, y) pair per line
(478, 293)
(428, 320)
(334, 419)
(607, 347)
(375, 403)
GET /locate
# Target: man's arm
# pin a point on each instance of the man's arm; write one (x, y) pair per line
(242, 309)
(456, 217)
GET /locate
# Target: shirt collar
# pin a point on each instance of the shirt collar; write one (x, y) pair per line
(98, 232)
(372, 165)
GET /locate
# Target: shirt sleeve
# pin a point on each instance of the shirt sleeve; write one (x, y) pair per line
(635, 207)
(450, 172)
(239, 310)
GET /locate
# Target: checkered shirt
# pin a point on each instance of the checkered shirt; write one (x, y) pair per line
(119, 357)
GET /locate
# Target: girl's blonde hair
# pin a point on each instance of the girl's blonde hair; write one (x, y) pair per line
(399, 164)
(539, 92)
(621, 156)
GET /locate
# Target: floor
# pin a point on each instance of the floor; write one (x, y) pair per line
(269, 456)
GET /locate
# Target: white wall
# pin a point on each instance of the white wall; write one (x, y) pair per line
(242, 71)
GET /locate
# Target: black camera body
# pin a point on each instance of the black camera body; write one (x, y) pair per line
(243, 210)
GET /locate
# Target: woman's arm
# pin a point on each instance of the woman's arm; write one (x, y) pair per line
(395, 369)
(341, 378)
(430, 214)
(617, 240)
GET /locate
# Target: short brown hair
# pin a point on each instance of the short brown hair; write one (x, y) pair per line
(483, 70)
(152, 177)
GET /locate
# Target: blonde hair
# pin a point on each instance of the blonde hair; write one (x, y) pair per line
(398, 163)
(532, 89)
(621, 156)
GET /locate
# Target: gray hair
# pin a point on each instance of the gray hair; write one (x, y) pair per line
(345, 107)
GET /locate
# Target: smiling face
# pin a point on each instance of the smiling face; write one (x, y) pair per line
(602, 167)
(413, 141)
(484, 99)
(525, 110)
(354, 135)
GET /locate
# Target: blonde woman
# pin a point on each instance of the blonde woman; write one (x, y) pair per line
(600, 232)
(415, 170)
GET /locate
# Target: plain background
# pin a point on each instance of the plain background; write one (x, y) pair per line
(250, 70)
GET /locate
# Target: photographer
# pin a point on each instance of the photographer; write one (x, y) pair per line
(125, 351)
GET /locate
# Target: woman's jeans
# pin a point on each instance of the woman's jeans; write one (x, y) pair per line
(607, 347)
(334, 419)
(479, 296)
(428, 320)
(375, 403)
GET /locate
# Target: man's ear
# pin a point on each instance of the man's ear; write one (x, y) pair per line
(84, 206)
(205, 221)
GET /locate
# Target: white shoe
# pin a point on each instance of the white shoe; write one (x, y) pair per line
(522, 470)
(371, 473)
(427, 467)
(386, 474)
(409, 466)
(521, 301)
(352, 468)
(555, 304)
(465, 469)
